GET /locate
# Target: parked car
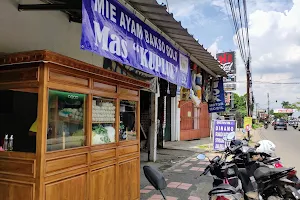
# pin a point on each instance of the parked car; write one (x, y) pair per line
(280, 124)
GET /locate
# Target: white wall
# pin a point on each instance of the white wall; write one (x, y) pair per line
(38, 30)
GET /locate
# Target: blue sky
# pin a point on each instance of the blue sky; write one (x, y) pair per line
(209, 20)
(205, 21)
(274, 31)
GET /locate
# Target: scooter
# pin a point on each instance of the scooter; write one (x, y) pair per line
(270, 182)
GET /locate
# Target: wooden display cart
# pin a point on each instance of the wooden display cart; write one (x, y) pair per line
(91, 172)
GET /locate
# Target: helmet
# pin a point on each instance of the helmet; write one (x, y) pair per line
(266, 146)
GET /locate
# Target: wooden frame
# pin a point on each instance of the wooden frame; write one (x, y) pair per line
(108, 171)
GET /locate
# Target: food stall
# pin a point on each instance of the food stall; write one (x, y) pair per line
(75, 130)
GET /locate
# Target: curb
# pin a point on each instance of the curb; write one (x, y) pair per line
(181, 162)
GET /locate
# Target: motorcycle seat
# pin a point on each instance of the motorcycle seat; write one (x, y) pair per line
(264, 172)
(223, 188)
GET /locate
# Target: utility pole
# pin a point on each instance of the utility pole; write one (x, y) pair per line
(256, 105)
(248, 93)
(268, 107)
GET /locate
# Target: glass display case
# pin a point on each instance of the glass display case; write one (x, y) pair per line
(103, 120)
(127, 120)
(66, 116)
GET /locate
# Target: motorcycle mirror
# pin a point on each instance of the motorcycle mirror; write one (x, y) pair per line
(230, 136)
(201, 157)
(155, 177)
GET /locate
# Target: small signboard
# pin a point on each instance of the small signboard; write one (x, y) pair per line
(248, 123)
(221, 128)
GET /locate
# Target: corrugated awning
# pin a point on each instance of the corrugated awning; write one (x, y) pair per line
(158, 15)
(155, 14)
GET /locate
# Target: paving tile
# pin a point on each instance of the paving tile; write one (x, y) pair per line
(193, 198)
(145, 191)
(149, 187)
(156, 197)
(194, 169)
(177, 170)
(183, 187)
(201, 169)
(203, 163)
(186, 184)
(173, 184)
(188, 163)
(171, 198)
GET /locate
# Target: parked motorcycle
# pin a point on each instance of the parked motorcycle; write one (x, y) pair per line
(251, 174)
(271, 182)
(226, 183)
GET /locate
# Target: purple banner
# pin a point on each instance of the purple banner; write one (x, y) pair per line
(221, 129)
(111, 30)
(217, 104)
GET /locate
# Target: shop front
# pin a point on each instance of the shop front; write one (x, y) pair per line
(194, 115)
(75, 127)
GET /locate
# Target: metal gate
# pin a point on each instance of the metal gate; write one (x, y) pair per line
(194, 121)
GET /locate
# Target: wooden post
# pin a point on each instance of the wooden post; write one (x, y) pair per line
(41, 135)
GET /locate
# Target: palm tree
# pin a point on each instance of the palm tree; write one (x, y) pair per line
(285, 104)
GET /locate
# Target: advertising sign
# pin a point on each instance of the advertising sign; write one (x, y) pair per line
(231, 78)
(218, 102)
(229, 87)
(248, 123)
(228, 98)
(227, 61)
(111, 30)
(283, 110)
(221, 129)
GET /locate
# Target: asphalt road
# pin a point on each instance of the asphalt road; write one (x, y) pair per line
(287, 145)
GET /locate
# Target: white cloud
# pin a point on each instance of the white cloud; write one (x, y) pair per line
(275, 48)
(214, 49)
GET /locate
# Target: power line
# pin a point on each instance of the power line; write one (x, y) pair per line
(274, 83)
(240, 23)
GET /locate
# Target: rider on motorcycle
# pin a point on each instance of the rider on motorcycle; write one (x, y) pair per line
(266, 123)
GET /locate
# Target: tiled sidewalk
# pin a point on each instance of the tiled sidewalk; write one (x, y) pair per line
(182, 182)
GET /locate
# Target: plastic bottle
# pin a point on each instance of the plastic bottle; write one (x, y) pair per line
(11, 143)
(5, 145)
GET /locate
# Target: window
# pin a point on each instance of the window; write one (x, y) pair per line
(18, 119)
(127, 120)
(103, 121)
(66, 120)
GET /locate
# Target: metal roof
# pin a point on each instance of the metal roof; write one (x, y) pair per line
(158, 16)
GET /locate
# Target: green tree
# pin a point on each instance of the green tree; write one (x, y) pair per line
(277, 115)
(285, 104)
(240, 104)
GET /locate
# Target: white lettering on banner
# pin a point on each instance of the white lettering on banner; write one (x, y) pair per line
(116, 46)
(108, 10)
(154, 62)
